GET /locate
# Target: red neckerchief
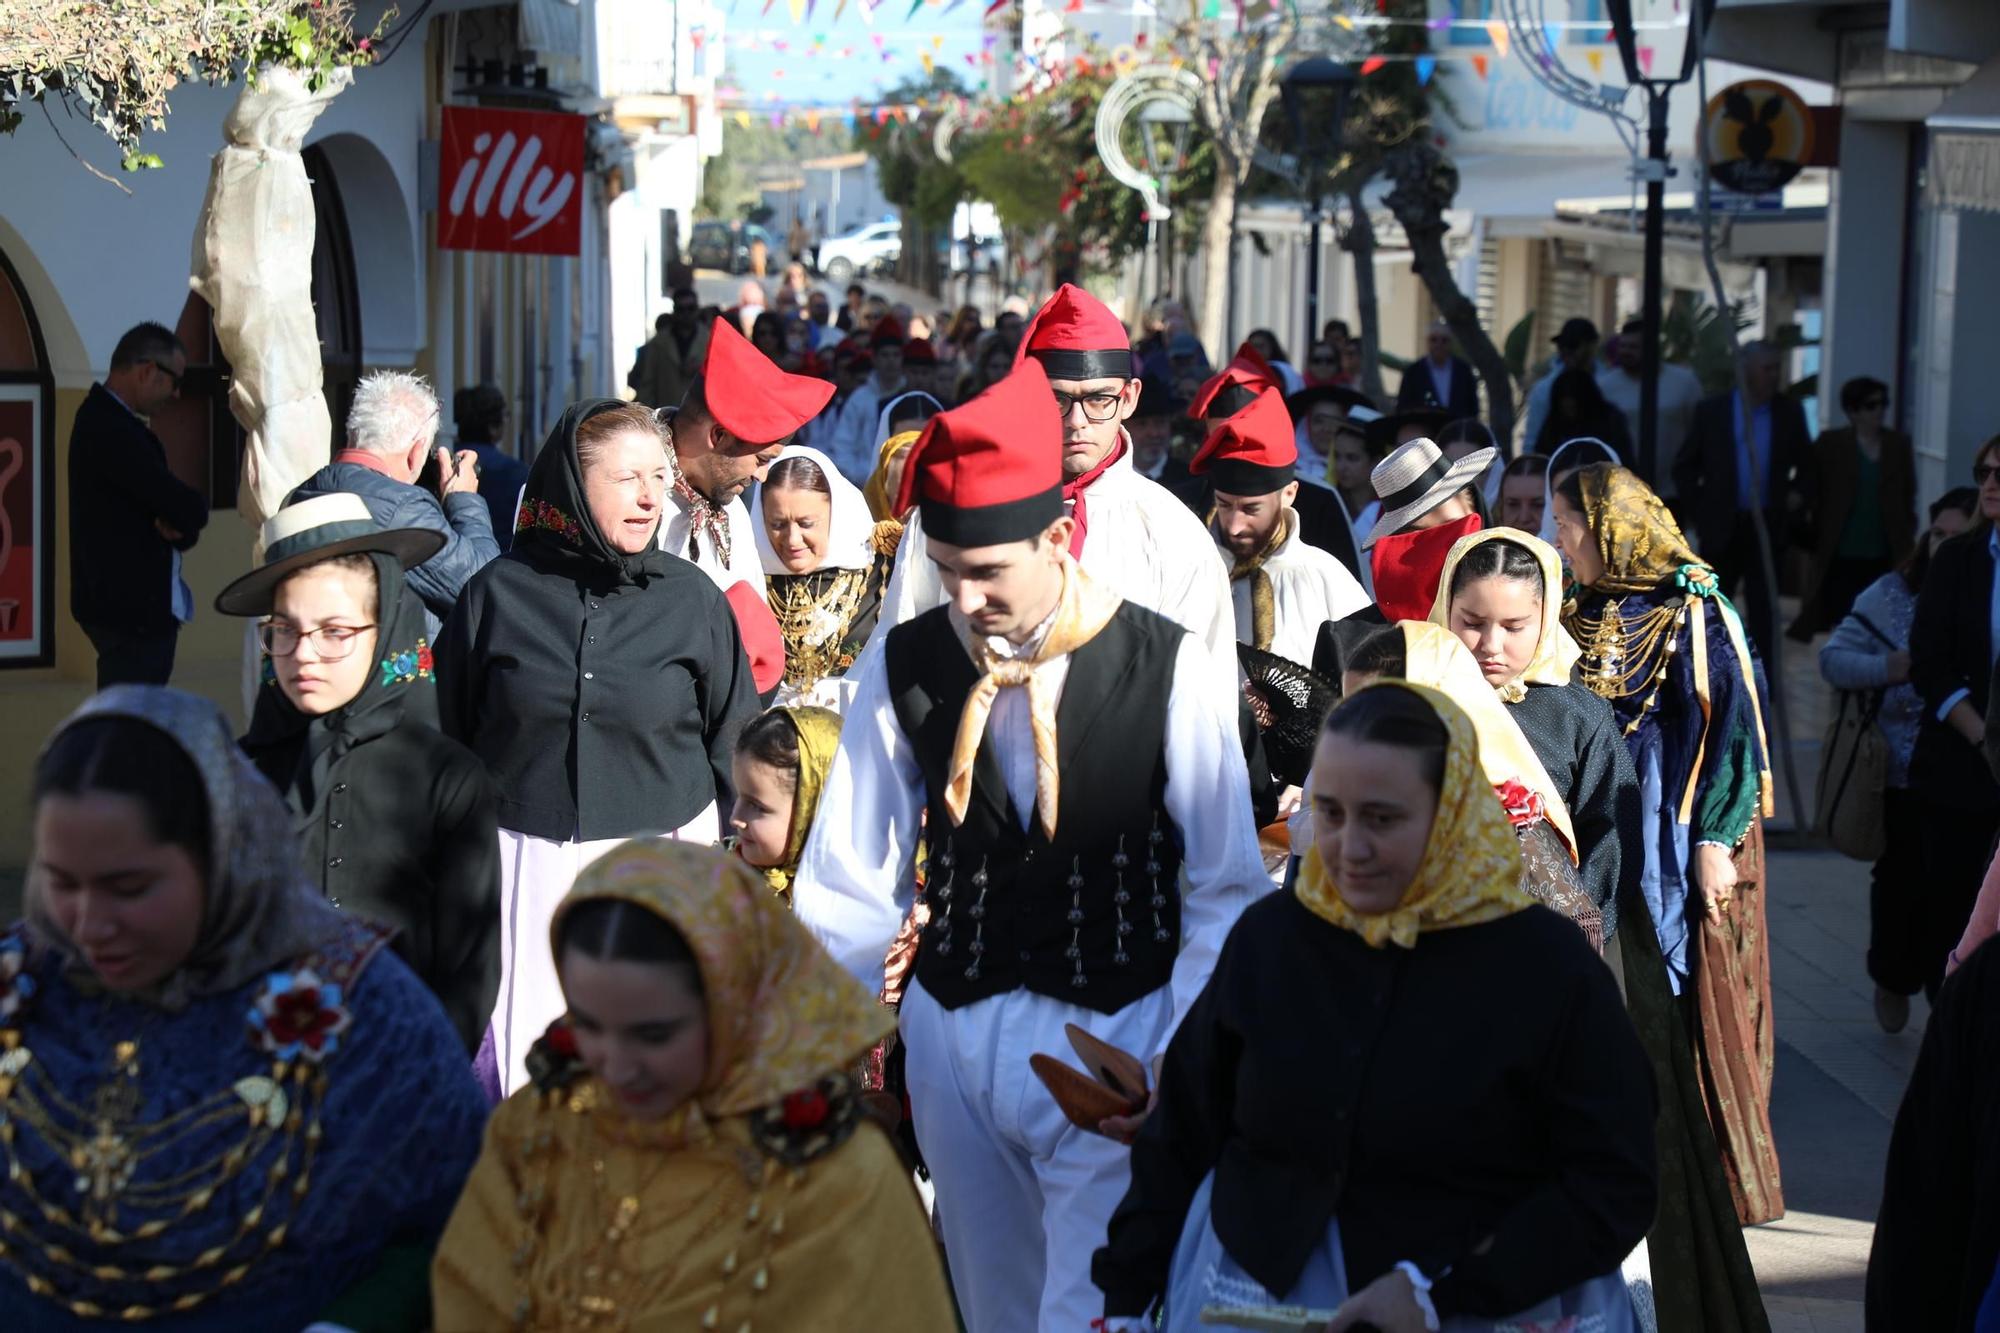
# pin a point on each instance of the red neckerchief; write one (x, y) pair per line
(1073, 492)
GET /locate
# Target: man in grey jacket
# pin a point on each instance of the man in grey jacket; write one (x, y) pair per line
(391, 433)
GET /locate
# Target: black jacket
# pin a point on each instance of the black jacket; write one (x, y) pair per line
(1574, 734)
(1706, 474)
(1418, 389)
(1951, 650)
(462, 518)
(1478, 1102)
(121, 568)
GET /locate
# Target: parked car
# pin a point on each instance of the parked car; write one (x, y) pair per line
(863, 250)
(719, 245)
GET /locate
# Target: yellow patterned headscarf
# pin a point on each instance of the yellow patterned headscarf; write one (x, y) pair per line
(781, 1013)
(1637, 538)
(1436, 658)
(881, 504)
(1471, 871)
(818, 731)
(1556, 653)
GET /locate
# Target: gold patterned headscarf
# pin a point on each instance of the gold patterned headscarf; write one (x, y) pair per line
(1637, 538)
(1436, 658)
(1556, 652)
(1471, 870)
(881, 504)
(818, 732)
(781, 1013)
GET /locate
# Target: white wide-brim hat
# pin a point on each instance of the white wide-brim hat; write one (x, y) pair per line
(319, 529)
(1418, 477)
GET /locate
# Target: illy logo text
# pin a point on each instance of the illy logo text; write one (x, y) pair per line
(538, 192)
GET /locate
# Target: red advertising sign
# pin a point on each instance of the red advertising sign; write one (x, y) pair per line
(511, 181)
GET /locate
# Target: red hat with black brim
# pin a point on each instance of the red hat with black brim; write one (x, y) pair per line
(749, 396)
(991, 471)
(919, 352)
(1254, 452)
(1248, 373)
(888, 329)
(1076, 337)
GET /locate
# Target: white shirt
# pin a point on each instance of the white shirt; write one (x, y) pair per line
(743, 565)
(1142, 542)
(851, 444)
(1308, 588)
(855, 883)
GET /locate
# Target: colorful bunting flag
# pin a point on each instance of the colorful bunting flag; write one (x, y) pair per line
(1497, 32)
(1426, 66)
(1371, 64)
(1595, 59)
(1646, 59)
(1479, 63)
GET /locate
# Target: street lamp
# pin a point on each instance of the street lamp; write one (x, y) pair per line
(1656, 43)
(1164, 126)
(1314, 93)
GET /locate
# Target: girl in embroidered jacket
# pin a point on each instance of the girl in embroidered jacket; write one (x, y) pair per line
(1500, 595)
(691, 1153)
(1663, 645)
(223, 1104)
(396, 821)
(824, 572)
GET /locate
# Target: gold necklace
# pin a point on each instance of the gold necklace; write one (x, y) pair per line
(815, 624)
(1622, 657)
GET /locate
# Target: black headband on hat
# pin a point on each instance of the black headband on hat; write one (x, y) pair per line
(1416, 490)
(1238, 476)
(992, 525)
(1062, 363)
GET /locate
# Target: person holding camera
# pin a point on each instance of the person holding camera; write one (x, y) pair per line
(391, 437)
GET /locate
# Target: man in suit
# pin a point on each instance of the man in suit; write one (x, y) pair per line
(1717, 487)
(130, 517)
(669, 363)
(1440, 380)
(391, 432)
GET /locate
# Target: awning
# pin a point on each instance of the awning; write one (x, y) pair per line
(1516, 192)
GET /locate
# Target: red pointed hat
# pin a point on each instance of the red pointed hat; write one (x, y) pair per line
(990, 471)
(749, 396)
(919, 352)
(1254, 452)
(1076, 337)
(1246, 370)
(888, 329)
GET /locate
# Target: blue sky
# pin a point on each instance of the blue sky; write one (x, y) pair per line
(799, 75)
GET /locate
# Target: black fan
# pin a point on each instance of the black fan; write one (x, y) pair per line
(1291, 702)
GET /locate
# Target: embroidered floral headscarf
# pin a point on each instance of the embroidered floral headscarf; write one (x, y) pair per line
(1556, 652)
(258, 914)
(1637, 538)
(554, 525)
(1471, 870)
(781, 1013)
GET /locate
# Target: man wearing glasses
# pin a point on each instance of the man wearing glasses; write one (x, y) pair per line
(130, 517)
(1129, 532)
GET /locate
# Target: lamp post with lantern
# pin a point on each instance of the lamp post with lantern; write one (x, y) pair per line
(1164, 126)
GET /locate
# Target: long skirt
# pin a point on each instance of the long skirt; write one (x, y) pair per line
(1699, 1276)
(535, 874)
(1736, 1040)
(1204, 1275)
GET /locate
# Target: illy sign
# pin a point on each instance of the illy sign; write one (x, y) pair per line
(511, 181)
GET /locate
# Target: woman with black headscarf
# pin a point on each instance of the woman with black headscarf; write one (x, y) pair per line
(395, 821)
(601, 680)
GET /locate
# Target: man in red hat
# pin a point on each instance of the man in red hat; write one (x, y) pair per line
(851, 442)
(1078, 779)
(739, 412)
(1130, 533)
(1283, 589)
(1234, 387)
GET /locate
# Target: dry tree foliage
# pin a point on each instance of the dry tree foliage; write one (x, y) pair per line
(116, 61)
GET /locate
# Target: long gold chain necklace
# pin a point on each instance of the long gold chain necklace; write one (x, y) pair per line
(1622, 657)
(815, 624)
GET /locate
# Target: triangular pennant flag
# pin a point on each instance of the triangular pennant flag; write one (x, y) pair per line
(937, 43)
(1646, 59)
(812, 121)
(838, 10)
(915, 5)
(743, 120)
(1497, 32)
(1552, 34)
(1595, 59)
(928, 63)
(1371, 64)
(1479, 64)
(1426, 66)
(1344, 21)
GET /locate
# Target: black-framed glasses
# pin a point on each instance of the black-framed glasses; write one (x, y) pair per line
(1099, 407)
(173, 376)
(1984, 472)
(330, 642)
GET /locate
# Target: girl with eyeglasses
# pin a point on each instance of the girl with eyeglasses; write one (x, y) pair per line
(395, 821)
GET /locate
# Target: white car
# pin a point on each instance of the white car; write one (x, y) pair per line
(861, 250)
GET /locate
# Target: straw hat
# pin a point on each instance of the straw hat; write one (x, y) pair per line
(319, 529)
(1416, 478)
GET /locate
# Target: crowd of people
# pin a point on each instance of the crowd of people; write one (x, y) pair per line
(1250, 853)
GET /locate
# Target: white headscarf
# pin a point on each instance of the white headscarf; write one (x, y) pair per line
(848, 541)
(1548, 532)
(888, 414)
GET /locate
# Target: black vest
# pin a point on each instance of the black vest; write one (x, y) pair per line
(1093, 918)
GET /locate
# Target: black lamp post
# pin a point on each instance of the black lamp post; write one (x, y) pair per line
(1164, 127)
(1315, 95)
(1645, 30)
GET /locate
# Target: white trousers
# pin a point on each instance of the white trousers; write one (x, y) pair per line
(535, 876)
(1023, 1196)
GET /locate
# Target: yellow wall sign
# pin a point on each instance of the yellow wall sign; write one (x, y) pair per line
(1760, 135)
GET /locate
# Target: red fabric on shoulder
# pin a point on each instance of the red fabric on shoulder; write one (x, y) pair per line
(758, 628)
